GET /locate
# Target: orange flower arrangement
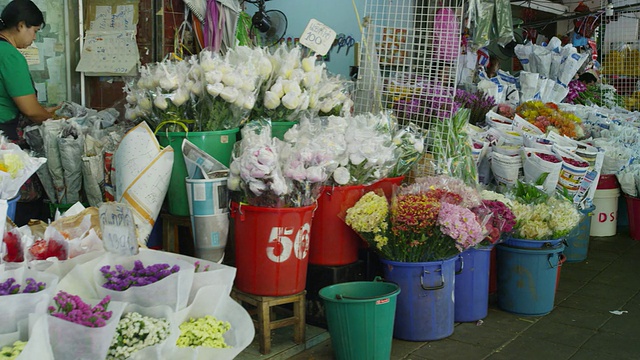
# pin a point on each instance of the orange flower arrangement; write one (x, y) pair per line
(548, 117)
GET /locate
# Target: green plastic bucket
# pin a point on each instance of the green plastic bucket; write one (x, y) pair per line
(218, 144)
(279, 128)
(360, 317)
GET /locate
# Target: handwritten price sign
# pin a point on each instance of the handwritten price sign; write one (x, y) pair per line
(118, 229)
(318, 37)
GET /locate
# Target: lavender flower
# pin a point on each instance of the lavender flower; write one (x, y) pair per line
(121, 279)
(9, 287)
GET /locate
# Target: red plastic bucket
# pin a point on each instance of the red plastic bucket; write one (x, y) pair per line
(386, 185)
(272, 246)
(333, 242)
(633, 209)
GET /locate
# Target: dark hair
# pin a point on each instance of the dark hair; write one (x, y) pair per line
(588, 78)
(21, 10)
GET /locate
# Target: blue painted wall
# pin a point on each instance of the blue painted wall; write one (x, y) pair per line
(339, 15)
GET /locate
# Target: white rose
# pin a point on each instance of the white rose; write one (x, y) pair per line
(291, 101)
(233, 182)
(230, 79)
(326, 106)
(180, 97)
(131, 99)
(313, 101)
(264, 67)
(234, 167)
(341, 176)
(196, 89)
(419, 146)
(229, 94)
(215, 89)
(304, 102)
(249, 102)
(309, 63)
(161, 102)
(248, 84)
(145, 103)
(169, 82)
(310, 79)
(271, 100)
(240, 100)
(356, 158)
(291, 87)
(277, 88)
(213, 77)
(130, 113)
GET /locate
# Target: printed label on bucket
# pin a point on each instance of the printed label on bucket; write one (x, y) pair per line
(215, 238)
(224, 139)
(382, 301)
(280, 245)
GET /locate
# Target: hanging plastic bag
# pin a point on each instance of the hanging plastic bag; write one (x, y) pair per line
(504, 22)
(484, 20)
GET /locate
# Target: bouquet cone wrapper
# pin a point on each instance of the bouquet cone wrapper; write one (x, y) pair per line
(16, 168)
(143, 171)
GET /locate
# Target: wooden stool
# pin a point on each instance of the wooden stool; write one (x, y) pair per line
(170, 224)
(266, 321)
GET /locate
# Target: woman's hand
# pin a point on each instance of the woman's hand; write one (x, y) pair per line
(53, 109)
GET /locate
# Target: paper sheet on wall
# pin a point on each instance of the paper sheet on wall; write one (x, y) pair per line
(109, 53)
(105, 15)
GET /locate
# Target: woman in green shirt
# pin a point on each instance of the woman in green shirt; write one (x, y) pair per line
(19, 23)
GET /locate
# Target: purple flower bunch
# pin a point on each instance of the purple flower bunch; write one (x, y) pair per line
(9, 287)
(502, 219)
(121, 279)
(575, 88)
(72, 308)
(478, 102)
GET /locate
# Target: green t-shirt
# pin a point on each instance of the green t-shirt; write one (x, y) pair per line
(15, 80)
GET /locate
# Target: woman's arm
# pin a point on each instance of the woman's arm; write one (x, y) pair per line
(31, 108)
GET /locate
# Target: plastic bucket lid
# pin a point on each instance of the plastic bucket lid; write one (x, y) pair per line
(360, 317)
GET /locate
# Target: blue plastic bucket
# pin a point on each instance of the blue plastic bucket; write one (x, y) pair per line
(425, 306)
(527, 279)
(360, 318)
(578, 239)
(472, 285)
(533, 244)
(11, 210)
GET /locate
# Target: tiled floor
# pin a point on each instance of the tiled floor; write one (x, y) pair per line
(581, 326)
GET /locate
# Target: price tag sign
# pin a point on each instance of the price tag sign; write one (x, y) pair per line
(318, 37)
(118, 228)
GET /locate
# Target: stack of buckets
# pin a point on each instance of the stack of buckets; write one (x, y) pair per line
(528, 275)
(605, 218)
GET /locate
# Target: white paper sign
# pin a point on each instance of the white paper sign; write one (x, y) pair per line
(109, 53)
(318, 37)
(118, 229)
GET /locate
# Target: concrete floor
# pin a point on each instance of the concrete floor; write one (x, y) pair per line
(581, 326)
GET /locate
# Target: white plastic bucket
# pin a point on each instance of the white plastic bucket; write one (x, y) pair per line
(605, 217)
(209, 212)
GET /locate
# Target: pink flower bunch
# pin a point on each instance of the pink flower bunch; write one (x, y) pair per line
(502, 219)
(575, 88)
(461, 225)
(72, 308)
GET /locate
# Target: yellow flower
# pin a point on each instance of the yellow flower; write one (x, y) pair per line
(11, 163)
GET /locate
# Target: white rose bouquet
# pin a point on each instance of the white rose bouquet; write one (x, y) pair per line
(165, 93)
(231, 84)
(370, 151)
